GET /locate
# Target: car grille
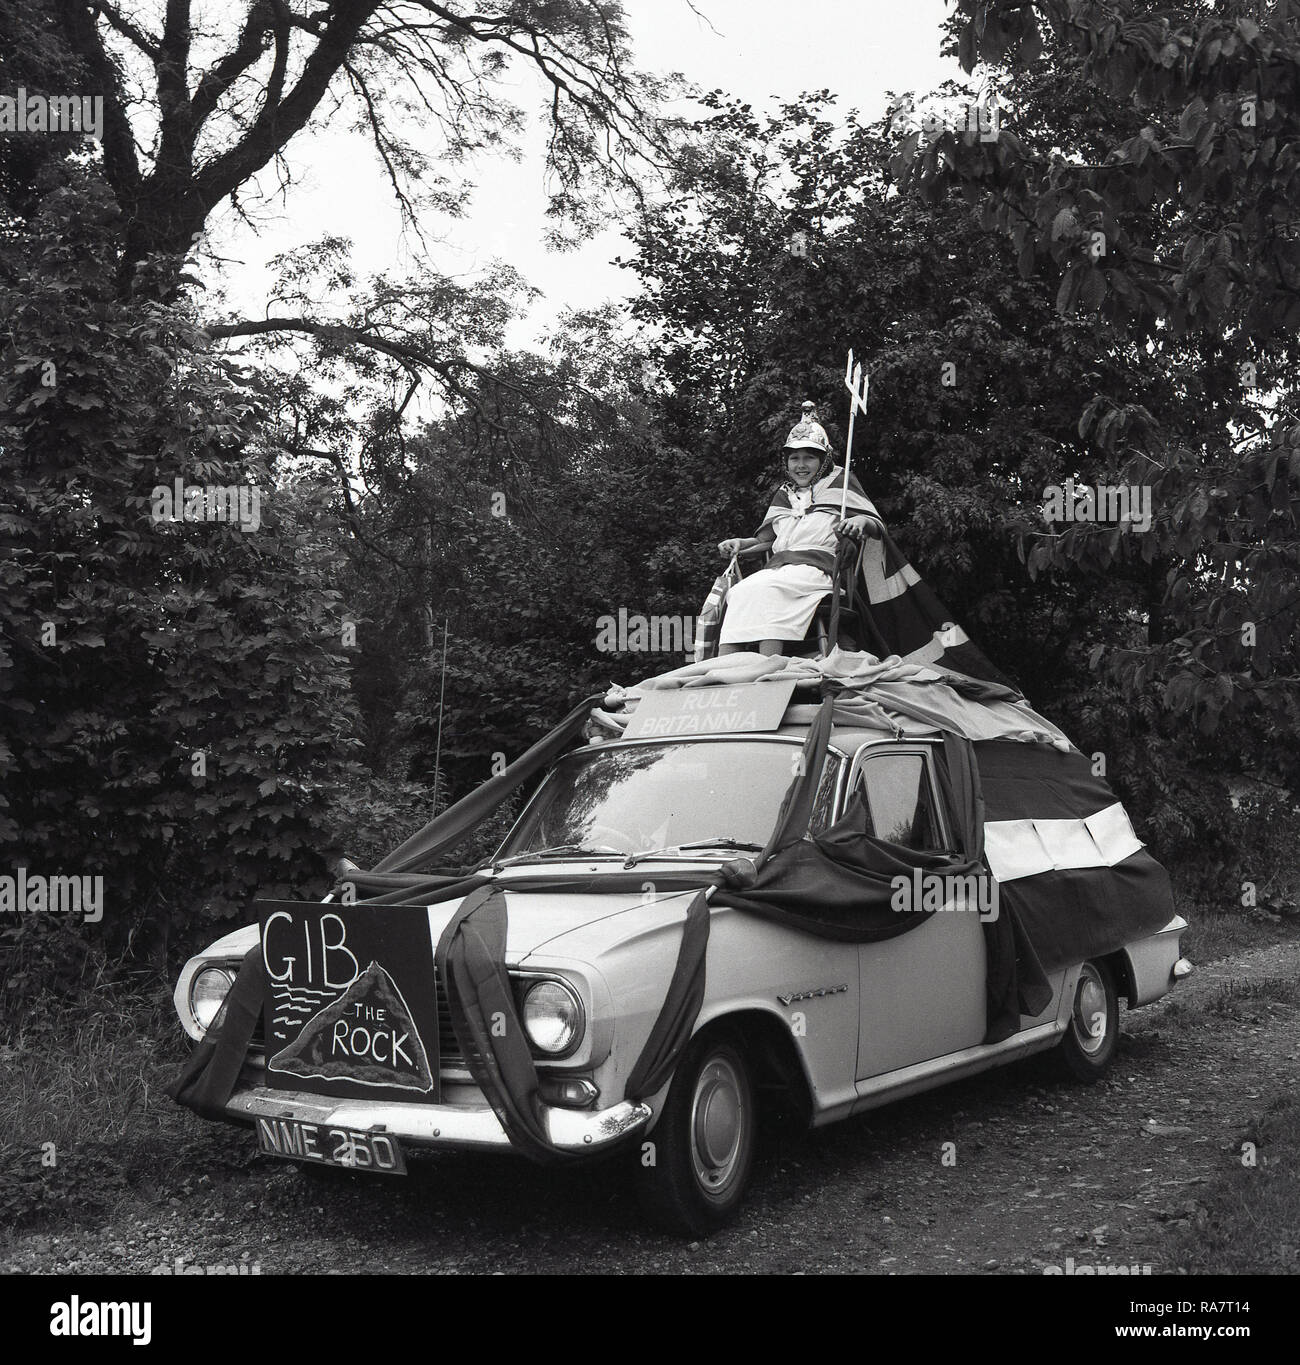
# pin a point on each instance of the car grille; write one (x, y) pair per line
(448, 1048)
(449, 1057)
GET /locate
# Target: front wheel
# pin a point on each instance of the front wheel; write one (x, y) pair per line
(695, 1169)
(1092, 1034)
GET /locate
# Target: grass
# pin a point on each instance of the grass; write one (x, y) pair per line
(82, 1114)
(1252, 1223)
(1231, 995)
(1213, 935)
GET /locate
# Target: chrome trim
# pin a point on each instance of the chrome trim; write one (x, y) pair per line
(875, 1091)
(1182, 969)
(812, 995)
(182, 1000)
(439, 1125)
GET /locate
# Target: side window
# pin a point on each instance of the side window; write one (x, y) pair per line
(901, 801)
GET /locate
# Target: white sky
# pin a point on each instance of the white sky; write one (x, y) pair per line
(759, 50)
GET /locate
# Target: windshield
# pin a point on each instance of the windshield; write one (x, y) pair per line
(658, 796)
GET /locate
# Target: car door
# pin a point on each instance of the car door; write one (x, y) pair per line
(922, 993)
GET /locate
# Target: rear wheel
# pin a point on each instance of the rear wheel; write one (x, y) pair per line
(695, 1170)
(1092, 1033)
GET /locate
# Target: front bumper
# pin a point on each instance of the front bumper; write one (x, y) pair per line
(438, 1125)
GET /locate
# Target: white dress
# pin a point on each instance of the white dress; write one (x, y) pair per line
(778, 604)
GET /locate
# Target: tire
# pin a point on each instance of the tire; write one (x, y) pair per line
(1092, 1033)
(703, 1146)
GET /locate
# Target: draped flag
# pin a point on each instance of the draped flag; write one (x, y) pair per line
(901, 614)
(827, 495)
(894, 612)
(1068, 865)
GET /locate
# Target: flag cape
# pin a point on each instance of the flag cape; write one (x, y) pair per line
(883, 606)
(827, 496)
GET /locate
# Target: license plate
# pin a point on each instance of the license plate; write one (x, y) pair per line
(350, 1148)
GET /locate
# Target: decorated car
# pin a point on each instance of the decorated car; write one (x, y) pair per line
(757, 888)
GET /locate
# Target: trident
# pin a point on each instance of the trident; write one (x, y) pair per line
(857, 383)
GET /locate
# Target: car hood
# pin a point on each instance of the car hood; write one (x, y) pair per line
(580, 925)
(540, 919)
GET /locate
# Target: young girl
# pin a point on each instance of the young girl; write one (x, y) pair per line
(777, 603)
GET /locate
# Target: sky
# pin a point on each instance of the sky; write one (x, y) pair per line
(763, 52)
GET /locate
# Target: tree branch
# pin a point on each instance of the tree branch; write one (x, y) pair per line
(137, 36)
(120, 164)
(269, 134)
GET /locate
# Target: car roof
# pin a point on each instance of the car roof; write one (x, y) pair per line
(847, 739)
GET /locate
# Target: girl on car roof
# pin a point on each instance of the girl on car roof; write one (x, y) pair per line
(777, 603)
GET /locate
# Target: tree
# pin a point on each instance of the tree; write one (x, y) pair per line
(174, 709)
(1195, 214)
(230, 91)
(175, 699)
(787, 244)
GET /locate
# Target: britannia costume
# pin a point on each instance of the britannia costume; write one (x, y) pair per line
(778, 602)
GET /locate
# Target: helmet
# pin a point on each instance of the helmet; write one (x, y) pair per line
(808, 433)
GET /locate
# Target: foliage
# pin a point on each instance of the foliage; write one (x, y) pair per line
(174, 696)
(1183, 228)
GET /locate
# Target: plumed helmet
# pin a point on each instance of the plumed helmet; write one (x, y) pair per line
(808, 433)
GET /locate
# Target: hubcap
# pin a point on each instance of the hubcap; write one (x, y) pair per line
(1091, 1022)
(718, 1120)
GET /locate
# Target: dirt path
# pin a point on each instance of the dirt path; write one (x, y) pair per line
(1044, 1171)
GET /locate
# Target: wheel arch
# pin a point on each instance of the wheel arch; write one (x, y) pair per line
(1121, 971)
(781, 1080)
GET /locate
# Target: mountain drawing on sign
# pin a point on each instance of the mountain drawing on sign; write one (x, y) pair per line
(366, 1036)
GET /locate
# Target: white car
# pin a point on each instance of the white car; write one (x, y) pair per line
(792, 1024)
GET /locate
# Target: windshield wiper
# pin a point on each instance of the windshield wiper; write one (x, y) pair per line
(558, 850)
(724, 841)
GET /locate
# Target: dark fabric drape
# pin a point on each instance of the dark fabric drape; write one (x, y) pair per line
(207, 1080)
(471, 964)
(449, 828)
(1086, 912)
(796, 806)
(676, 1019)
(838, 885)
(1072, 914)
(1015, 982)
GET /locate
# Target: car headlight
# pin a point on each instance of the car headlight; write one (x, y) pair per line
(552, 1017)
(208, 993)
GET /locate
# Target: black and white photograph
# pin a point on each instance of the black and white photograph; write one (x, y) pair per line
(649, 638)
